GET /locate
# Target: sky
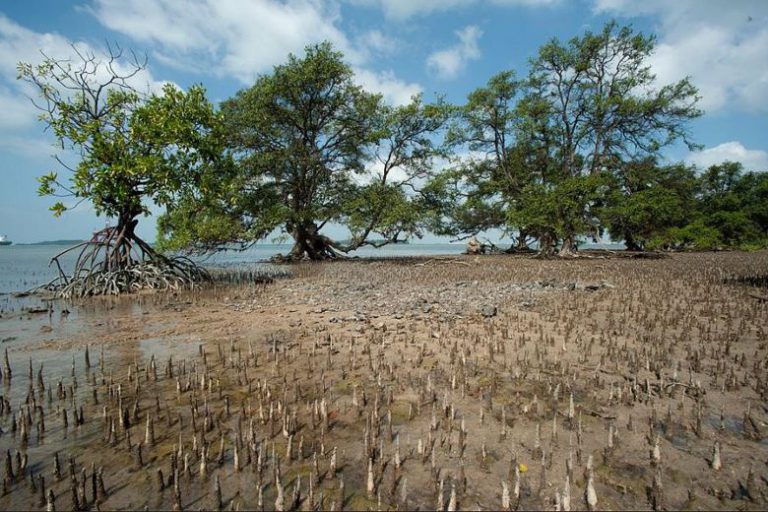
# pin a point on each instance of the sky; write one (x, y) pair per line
(396, 47)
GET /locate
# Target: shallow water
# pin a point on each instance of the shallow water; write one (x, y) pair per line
(25, 266)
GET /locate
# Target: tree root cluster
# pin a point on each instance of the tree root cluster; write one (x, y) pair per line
(111, 264)
(171, 274)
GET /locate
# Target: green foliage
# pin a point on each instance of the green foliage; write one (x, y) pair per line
(696, 235)
(561, 209)
(311, 148)
(752, 188)
(589, 107)
(646, 199)
(734, 204)
(473, 194)
(728, 211)
(571, 151)
(131, 148)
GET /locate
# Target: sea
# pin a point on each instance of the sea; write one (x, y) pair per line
(26, 266)
(23, 267)
(32, 326)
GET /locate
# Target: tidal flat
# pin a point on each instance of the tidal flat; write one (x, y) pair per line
(466, 382)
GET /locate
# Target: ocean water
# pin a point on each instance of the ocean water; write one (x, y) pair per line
(23, 267)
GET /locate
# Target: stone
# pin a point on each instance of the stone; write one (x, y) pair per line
(487, 310)
(474, 246)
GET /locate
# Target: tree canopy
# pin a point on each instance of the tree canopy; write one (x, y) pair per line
(312, 148)
(132, 148)
(729, 210)
(588, 109)
(571, 150)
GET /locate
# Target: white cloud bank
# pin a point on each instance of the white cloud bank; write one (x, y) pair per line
(20, 131)
(394, 90)
(722, 46)
(400, 10)
(449, 63)
(231, 37)
(733, 151)
(241, 39)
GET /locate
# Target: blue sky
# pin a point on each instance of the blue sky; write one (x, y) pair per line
(397, 47)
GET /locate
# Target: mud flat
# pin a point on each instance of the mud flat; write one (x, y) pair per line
(451, 383)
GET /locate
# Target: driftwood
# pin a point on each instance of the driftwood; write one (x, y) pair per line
(599, 414)
(441, 261)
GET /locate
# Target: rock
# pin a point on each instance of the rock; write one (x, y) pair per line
(487, 310)
(474, 246)
(426, 308)
(593, 287)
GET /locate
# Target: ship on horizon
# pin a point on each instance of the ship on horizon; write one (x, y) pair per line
(4, 240)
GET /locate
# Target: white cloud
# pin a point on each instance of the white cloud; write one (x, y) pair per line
(37, 149)
(723, 47)
(20, 131)
(243, 39)
(229, 37)
(733, 151)
(394, 90)
(400, 10)
(404, 9)
(19, 44)
(376, 41)
(18, 112)
(526, 3)
(450, 62)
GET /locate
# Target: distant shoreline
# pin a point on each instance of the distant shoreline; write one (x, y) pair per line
(53, 242)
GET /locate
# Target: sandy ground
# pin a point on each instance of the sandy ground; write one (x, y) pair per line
(461, 383)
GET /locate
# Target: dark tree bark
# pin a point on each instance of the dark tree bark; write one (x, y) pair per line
(569, 246)
(631, 243)
(310, 243)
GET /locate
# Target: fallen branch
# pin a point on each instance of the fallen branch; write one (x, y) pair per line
(442, 261)
(599, 414)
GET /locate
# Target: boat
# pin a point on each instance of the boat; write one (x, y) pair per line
(4, 240)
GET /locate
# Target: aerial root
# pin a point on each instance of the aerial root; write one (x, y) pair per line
(112, 264)
(171, 274)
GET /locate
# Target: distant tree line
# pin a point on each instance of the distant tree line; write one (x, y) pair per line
(568, 152)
